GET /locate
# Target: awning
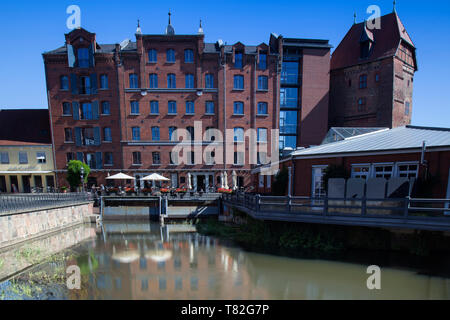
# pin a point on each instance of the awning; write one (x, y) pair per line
(25, 172)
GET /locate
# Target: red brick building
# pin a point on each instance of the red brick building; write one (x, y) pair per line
(394, 153)
(116, 106)
(372, 73)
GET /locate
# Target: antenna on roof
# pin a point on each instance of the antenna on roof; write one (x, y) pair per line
(200, 29)
(395, 10)
(354, 18)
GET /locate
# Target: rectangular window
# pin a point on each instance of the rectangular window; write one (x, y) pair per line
(153, 80)
(239, 134)
(86, 112)
(262, 83)
(238, 82)
(136, 131)
(363, 81)
(137, 158)
(361, 104)
(68, 135)
(190, 109)
(288, 98)
(4, 157)
(67, 109)
(191, 132)
(288, 122)
(85, 85)
(134, 107)
(171, 131)
(152, 56)
(106, 109)
(41, 158)
(209, 107)
(383, 171)
(104, 81)
(88, 138)
(261, 181)
(156, 158)
(170, 55)
(171, 81)
(191, 158)
(23, 158)
(407, 170)
(64, 83)
(70, 156)
(238, 108)
(262, 108)
(262, 61)
(107, 134)
(83, 57)
(188, 56)
(238, 158)
(91, 160)
(262, 158)
(155, 133)
(189, 81)
(173, 158)
(209, 81)
(154, 107)
(238, 60)
(262, 135)
(134, 84)
(108, 158)
(406, 108)
(289, 72)
(361, 171)
(172, 107)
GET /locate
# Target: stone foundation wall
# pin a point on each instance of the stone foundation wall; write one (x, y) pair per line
(24, 226)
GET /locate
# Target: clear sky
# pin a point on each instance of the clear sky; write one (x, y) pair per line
(29, 28)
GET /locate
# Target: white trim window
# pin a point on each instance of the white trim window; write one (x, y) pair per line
(383, 170)
(361, 171)
(318, 190)
(407, 169)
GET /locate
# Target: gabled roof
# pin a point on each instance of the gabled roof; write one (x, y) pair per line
(401, 138)
(26, 125)
(386, 41)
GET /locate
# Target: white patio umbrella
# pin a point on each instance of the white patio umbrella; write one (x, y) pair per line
(234, 175)
(225, 178)
(155, 177)
(120, 176)
(158, 255)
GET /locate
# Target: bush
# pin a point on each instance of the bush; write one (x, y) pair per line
(281, 182)
(334, 171)
(74, 173)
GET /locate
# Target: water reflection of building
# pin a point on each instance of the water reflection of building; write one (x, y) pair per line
(196, 268)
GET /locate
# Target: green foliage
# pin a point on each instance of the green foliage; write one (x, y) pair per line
(334, 171)
(424, 186)
(281, 182)
(74, 173)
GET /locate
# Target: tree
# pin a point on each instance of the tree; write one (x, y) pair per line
(74, 173)
(281, 182)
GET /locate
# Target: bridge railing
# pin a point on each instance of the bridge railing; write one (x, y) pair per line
(16, 203)
(403, 208)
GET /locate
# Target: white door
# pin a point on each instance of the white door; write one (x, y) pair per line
(317, 189)
(174, 180)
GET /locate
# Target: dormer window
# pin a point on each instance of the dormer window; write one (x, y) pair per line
(83, 57)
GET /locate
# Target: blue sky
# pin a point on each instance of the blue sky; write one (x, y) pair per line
(30, 28)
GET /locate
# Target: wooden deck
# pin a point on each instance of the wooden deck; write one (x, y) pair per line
(407, 213)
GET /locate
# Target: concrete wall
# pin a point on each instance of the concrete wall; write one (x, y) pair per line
(20, 227)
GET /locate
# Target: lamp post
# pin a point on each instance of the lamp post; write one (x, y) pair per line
(82, 178)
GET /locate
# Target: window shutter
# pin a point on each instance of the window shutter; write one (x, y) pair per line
(70, 56)
(91, 56)
(74, 83)
(98, 160)
(80, 156)
(94, 86)
(97, 136)
(78, 136)
(95, 110)
(76, 110)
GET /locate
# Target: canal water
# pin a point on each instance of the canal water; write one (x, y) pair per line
(149, 261)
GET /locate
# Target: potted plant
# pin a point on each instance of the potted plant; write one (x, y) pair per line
(223, 190)
(129, 191)
(64, 189)
(164, 190)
